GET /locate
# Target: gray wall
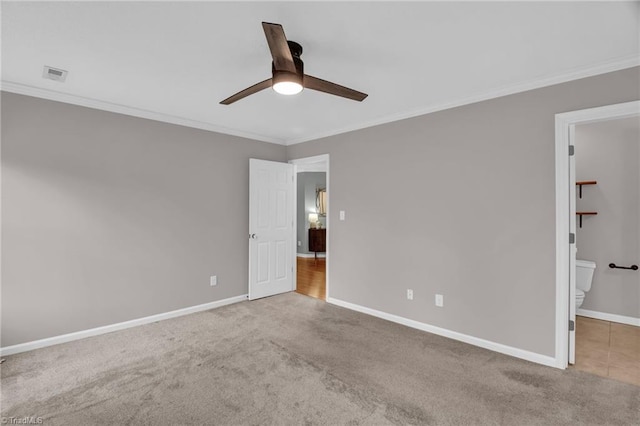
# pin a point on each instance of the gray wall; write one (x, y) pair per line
(609, 153)
(308, 182)
(107, 218)
(468, 211)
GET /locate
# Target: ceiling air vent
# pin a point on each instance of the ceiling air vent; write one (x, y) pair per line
(54, 74)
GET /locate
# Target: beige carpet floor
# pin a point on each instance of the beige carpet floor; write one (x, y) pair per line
(292, 359)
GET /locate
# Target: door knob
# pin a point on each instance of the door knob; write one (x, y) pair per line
(252, 236)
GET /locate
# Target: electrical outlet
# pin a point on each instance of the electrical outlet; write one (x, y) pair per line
(342, 214)
(439, 300)
(409, 294)
(214, 280)
(299, 243)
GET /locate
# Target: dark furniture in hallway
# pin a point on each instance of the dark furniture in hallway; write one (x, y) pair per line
(317, 241)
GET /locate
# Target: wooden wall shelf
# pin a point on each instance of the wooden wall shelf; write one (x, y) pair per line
(584, 182)
(580, 214)
(579, 184)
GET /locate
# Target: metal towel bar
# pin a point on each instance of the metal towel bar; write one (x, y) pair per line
(633, 267)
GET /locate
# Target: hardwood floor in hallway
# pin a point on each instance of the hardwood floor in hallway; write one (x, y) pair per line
(311, 277)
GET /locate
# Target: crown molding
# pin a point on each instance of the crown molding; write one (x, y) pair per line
(601, 68)
(52, 95)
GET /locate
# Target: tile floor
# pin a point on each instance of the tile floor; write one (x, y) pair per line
(608, 349)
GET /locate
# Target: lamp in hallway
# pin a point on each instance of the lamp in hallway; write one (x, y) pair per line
(313, 220)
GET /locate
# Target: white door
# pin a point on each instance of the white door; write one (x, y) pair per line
(270, 228)
(572, 249)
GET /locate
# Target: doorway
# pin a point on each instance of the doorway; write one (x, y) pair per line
(607, 164)
(312, 226)
(566, 214)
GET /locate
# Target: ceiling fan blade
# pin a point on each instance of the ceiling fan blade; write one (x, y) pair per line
(325, 86)
(248, 91)
(280, 52)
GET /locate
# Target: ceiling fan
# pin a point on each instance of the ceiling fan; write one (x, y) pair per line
(287, 69)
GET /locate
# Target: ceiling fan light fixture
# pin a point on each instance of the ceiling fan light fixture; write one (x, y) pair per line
(287, 70)
(286, 83)
(287, 88)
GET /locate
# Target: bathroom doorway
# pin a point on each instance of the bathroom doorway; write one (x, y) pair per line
(312, 221)
(607, 165)
(591, 200)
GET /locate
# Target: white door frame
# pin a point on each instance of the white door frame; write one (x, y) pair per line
(323, 158)
(565, 125)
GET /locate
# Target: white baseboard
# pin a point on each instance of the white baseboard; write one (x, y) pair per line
(609, 317)
(486, 344)
(308, 255)
(56, 340)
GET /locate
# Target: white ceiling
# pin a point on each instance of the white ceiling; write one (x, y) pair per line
(175, 61)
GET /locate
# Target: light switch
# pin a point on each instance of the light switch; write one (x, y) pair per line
(341, 214)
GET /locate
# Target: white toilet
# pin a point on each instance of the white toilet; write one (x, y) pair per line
(584, 277)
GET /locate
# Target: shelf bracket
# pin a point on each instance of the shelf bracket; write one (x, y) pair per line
(587, 182)
(580, 214)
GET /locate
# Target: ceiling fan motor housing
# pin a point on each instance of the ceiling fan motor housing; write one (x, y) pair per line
(287, 76)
